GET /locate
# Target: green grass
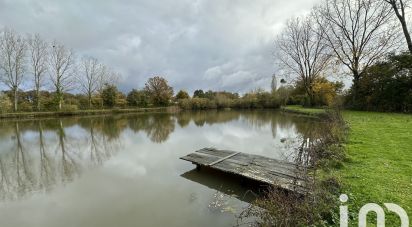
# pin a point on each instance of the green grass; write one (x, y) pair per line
(378, 168)
(302, 110)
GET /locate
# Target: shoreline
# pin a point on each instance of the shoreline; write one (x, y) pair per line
(168, 109)
(307, 112)
(35, 115)
(377, 154)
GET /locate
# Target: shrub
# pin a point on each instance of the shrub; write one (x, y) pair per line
(326, 91)
(69, 108)
(182, 95)
(385, 86)
(223, 100)
(137, 98)
(5, 103)
(83, 102)
(200, 103)
(25, 107)
(121, 102)
(109, 95)
(318, 205)
(197, 104)
(198, 94)
(185, 104)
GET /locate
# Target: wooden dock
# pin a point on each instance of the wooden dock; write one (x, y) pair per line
(285, 175)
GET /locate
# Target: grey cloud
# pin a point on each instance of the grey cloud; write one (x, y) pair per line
(208, 44)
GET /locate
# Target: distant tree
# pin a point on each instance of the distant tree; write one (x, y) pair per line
(209, 94)
(198, 94)
(109, 95)
(61, 63)
(137, 98)
(399, 7)
(284, 93)
(121, 99)
(89, 78)
(227, 94)
(158, 90)
(38, 55)
(12, 57)
(108, 76)
(182, 95)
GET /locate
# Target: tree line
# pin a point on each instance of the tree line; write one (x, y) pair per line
(359, 39)
(349, 38)
(53, 71)
(32, 60)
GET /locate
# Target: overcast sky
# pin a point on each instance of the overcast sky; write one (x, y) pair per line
(208, 44)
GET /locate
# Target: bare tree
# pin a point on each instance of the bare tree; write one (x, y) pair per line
(12, 61)
(303, 52)
(38, 52)
(399, 7)
(108, 76)
(92, 73)
(61, 63)
(358, 32)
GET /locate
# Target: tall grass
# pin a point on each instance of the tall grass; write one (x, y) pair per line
(318, 206)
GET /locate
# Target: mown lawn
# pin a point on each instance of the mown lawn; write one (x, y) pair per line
(296, 108)
(378, 168)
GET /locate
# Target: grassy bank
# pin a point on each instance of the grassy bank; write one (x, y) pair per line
(320, 151)
(315, 112)
(23, 115)
(378, 167)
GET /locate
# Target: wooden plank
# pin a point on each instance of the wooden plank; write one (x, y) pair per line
(283, 174)
(222, 159)
(268, 168)
(215, 152)
(199, 158)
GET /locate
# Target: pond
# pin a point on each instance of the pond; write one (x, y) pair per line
(124, 170)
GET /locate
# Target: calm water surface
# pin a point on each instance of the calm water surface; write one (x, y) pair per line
(125, 170)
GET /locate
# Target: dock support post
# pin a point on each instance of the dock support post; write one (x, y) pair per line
(243, 182)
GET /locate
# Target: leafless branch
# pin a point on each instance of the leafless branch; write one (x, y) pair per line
(358, 32)
(398, 7)
(12, 61)
(38, 53)
(61, 63)
(303, 52)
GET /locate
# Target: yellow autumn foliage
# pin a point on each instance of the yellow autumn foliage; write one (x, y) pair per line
(326, 91)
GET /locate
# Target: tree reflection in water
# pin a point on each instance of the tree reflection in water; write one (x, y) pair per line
(157, 127)
(279, 123)
(49, 152)
(43, 153)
